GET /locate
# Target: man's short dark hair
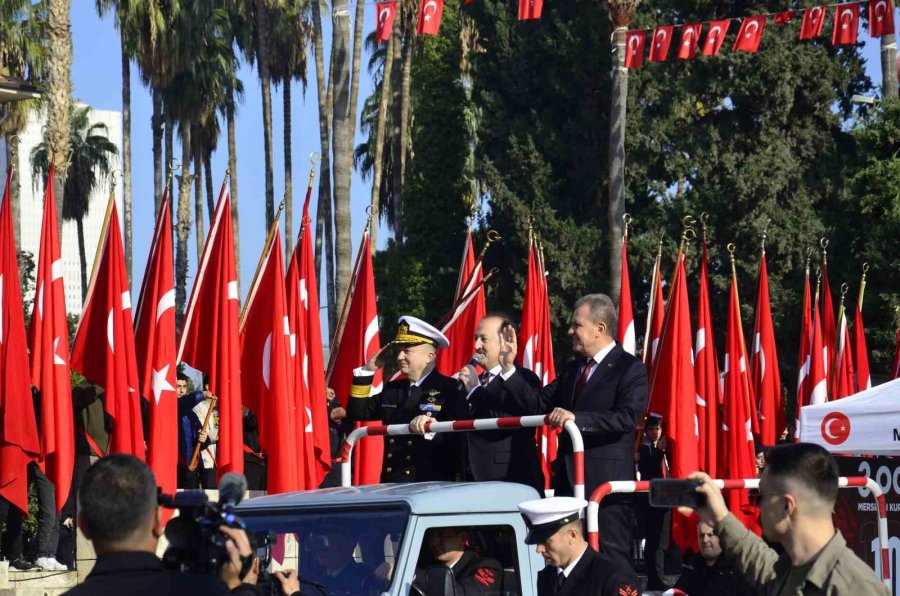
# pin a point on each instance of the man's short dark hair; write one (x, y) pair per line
(116, 496)
(182, 377)
(809, 465)
(653, 422)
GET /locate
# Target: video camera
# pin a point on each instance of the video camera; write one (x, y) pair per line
(195, 543)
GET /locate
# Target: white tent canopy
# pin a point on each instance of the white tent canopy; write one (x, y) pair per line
(866, 423)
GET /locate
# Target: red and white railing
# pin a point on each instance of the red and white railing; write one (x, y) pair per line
(458, 426)
(642, 486)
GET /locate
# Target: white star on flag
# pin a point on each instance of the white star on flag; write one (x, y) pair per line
(161, 382)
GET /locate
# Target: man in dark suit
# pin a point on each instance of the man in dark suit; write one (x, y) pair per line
(509, 455)
(423, 392)
(604, 391)
(573, 567)
(472, 573)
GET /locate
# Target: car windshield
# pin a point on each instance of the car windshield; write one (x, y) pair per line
(336, 553)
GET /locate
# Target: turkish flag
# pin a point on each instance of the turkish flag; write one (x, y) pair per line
(463, 323)
(19, 442)
(829, 327)
(813, 22)
(48, 335)
(530, 9)
(881, 17)
(634, 48)
(625, 333)
(430, 17)
(818, 379)
(210, 340)
(385, 13)
(103, 350)
(715, 37)
(750, 34)
(154, 342)
(860, 352)
(662, 39)
(785, 17)
(309, 368)
(655, 316)
(805, 353)
(842, 382)
(706, 375)
(738, 457)
(359, 342)
(267, 376)
(690, 41)
(895, 368)
(764, 364)
(846, 25)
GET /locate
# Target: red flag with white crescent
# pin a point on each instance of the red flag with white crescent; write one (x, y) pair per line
(805, 352)
(706, 364)
(881, 17)
(154, 342)
(750, 34)
(103, 350)
(48, 335)
(530, 9)
(213, 312)
(430, 17)
(655, 315)
(764, 364)
(846, 24)
(461, 327)
(842, 381)
(860, 353)
(715, 37)
(625, 333)
(895, 368)
(19, 443)
(813, 22)
(634, 48)
(662, 39)
(385, 14)
(818, 379)
(829, 327)
(690, 41)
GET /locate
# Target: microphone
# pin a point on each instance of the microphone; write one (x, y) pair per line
(232, 487)
(475, 360)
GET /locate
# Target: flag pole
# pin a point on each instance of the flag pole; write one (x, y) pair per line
(492, 236)
(862, 286)
(841, 314)
(464, 299)
(273, 229)
(652, 306)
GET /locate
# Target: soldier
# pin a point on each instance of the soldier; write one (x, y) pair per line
(423, 391)
(472, 573)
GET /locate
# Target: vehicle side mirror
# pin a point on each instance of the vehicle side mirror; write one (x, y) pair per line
(438, 581)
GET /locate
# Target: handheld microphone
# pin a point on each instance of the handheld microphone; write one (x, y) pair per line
(232, 487)
(476, 359)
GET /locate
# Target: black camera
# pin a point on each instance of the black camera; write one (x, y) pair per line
(195, 543)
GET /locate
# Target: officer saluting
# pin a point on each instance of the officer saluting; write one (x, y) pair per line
(424, 391)
(573, 567)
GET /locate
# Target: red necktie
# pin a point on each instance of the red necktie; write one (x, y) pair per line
(584, 376)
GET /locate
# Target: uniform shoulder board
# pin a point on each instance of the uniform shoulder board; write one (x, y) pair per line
(485, 576)
(626, 589)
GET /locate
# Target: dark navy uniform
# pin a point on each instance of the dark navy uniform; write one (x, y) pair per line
(410, 458)
(472, 575)
(593, 575)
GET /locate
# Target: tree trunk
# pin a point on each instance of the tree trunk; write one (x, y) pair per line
(265, 78)
(59, 92)
(354, 74)
(383, 100)
(126, 153)
(232, 171)
(170, 142)
(328, 205)
(397, 101)
(889, 66)
(288, 174)
(343, 160)
(207, 171)
(198, 193)
(183, 226)
(159, 166)
(616, 209)
(82, 258)
(12, 157)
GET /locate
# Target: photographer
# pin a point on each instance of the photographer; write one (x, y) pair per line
(118, 512)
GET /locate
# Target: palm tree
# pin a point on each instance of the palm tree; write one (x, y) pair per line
(91, 164)
(59, 92)
(263, 58)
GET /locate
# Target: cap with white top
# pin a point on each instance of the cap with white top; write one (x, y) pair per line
(544, 517)
(413, 331)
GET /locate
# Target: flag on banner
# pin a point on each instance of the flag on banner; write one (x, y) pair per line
(634, 42)
(19, 442)
(48, 336)
(715, 37)
(860, 352)
(750, 34)
(662, 39)
(625, 333)
(359, 342)
(461, 327)
(309, 365)
(530, 9)
(813, 22)
(385, 13)
(818, 379)
(154, 342)
(785, 17)
(805, 352)
(103, 350)
(673, 394)
(881, 17)
(210, 340)
(828, 325)
(430, 17)
(706, 365)
(738, 457)
(846, 24)
(690, 41)
(267, 381)
(842, 383)
(766, 380)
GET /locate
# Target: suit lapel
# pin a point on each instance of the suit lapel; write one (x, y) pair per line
(602, 369)
(577, 575)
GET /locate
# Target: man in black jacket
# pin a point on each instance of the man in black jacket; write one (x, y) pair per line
(472, 573)
(509, 455)
(573, 567)
(424, 392)
(604, 391)
(708, 572)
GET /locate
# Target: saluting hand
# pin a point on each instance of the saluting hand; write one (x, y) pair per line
(377, 361)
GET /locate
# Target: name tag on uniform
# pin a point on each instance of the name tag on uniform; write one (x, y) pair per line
(389, 405)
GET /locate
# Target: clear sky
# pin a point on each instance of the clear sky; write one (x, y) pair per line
(96, 74)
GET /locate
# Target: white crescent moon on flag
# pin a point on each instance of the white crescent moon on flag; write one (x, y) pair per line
(814, 14)
(165, 303)
(826, 430)
(755, 24)
(267, 361)
(40, 301)
(882, 4)
(762, 356)
(309, 427)
(433, 5)
(371, 331)
(383, 15)
(847, 12)
(633, 43)
(688, 36)
(110, 332)
(660, 34)
(713, 35)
